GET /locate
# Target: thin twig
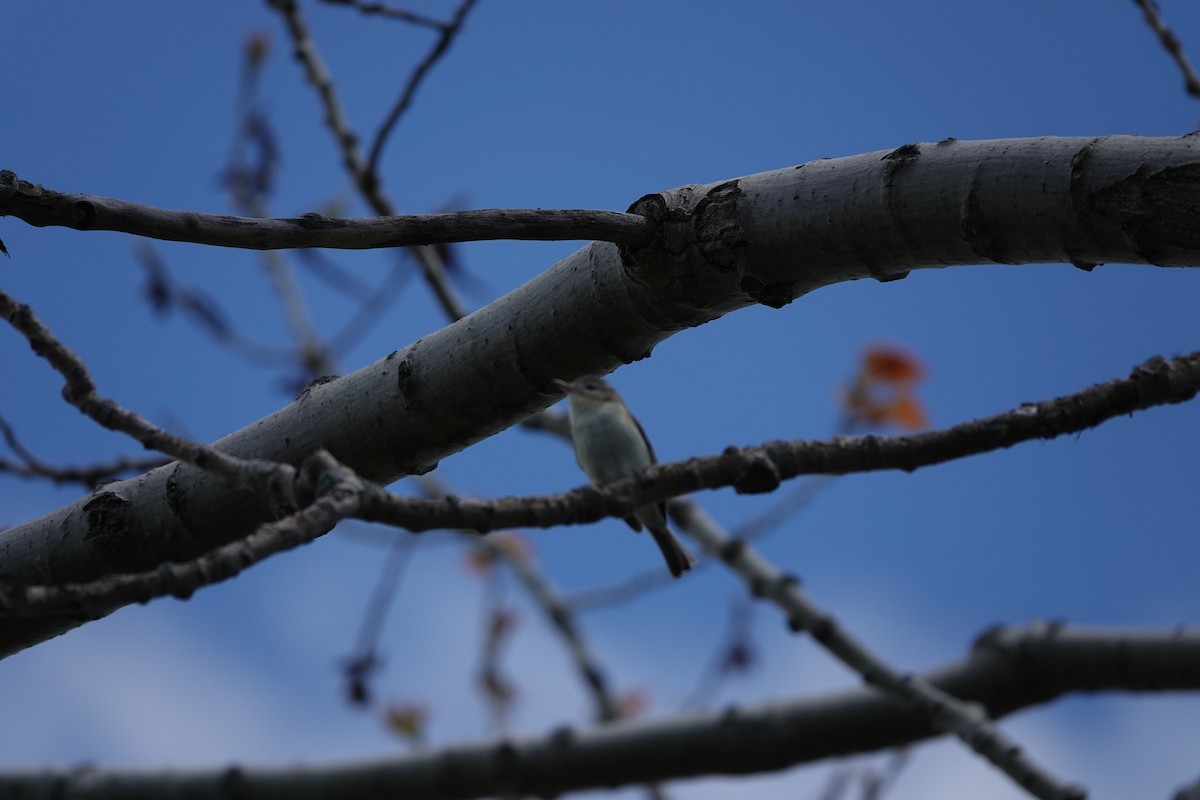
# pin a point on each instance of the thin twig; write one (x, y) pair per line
(761, 468)
(80, 392)
(625, 590)
(370, 310)
(314, 357)
(166, 294)
(319, 77)
(782, 509)
(631, 588)
(874, 783)
(550, 601)
(31, 466)
(734, 653)
(366, 659)
(391, 12)
(338, 278)
(499, 624)
(367, 182)
(932, 705)
(448, 33)
(251, 180)
(1171, 44)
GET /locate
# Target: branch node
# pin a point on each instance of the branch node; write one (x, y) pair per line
(731, 550)
(8, 186)
(756, 474)
(84, 216)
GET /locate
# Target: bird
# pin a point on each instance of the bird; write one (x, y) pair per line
(610, 444)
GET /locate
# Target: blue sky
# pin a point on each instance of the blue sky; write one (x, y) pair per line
(567, 105)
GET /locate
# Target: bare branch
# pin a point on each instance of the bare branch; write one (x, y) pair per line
(165, 294)
(558, 614)
(1170, 43)
(1006, 670)
(342, 499)
(761, 468)
(314, 357)
(365, 659)
(31, 466)
(317, 74)
(367, 181)
(370, 309)
(928, 703)
(338, 278)
(623, 591)
(80, 392)
(1132, 201)
(43, 207)
(561, 617)
(1152, 383)
(735, 652)
(751, 530)
(449, 32)
(391, 12)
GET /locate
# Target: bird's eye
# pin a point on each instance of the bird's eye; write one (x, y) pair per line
(591, 386)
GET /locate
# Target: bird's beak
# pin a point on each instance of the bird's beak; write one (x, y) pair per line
(563, 385)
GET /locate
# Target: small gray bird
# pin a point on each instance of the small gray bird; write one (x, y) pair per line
(610, 445)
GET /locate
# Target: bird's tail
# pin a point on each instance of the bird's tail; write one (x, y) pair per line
(679, 559)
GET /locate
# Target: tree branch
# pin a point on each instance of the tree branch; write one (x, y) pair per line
(80, 392)
(763, 238)
(1006, 670)
(558, 614)
(390, 12)
(365, 180)
(1170, 43)
(43, 207)
(760, 468)
(448, 33)
(926, 702)
(342, 494)
(31, 466)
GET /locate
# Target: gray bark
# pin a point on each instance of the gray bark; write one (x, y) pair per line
(765, 238)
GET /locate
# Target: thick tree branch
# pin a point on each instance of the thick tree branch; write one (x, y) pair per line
(1007, 670)
(764, 238)
(342, 495)
(750, 469)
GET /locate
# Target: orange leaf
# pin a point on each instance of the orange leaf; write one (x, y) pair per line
(908, 413)
(891, 365)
